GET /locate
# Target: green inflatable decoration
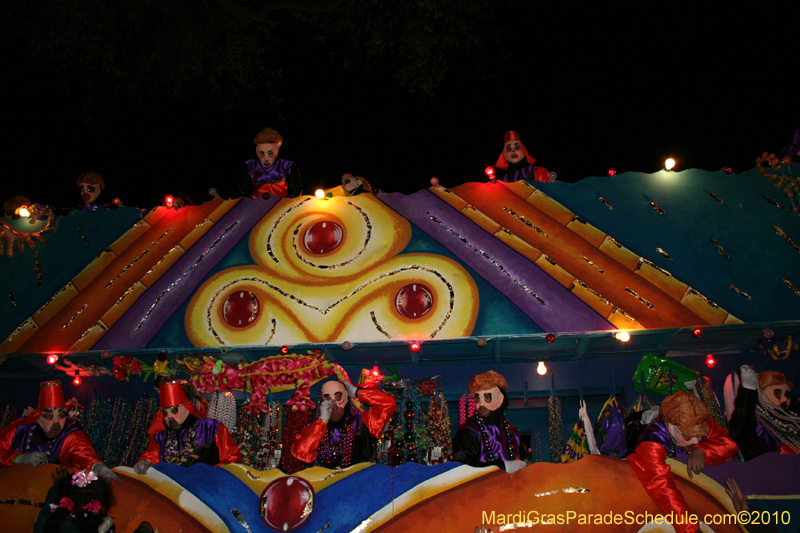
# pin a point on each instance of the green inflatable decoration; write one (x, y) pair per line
(662, 376)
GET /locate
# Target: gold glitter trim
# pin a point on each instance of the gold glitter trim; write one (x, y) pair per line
(786, 281)
(275, 227)
(593, 264)
(331, 267)
(585, 286)
(32, 323)
(38, 268)
(740, 292)
(96, 324)
(720, 249)
(665, 254)
(136, 259)
(706, 300)
(378, 326)
(645, 302)
(780, 232)
(488, 257)
(643, 261)
(525, 221)
(715, 197)
(88, 244)
(179, 278)
(71, 320)
(657, 208)
(773, 202)
(606, 203)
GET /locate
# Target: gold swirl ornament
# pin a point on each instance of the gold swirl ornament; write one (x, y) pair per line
(329, 271)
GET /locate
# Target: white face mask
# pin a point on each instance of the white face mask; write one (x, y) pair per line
(487, 401)
(335, 391)
(513, 151)
(778, 395)
(267, 153)
(680, 438)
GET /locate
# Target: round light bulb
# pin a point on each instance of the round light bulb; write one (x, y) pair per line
(77, 380)
(669, 164)
(710, 361)
(415, 346)
(320, 194)
(623, 336)
(541, 369)
(23, 212)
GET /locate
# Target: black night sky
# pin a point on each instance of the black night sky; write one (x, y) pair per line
(616, 85)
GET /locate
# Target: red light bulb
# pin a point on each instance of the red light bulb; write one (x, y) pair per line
(490, 172)
(550, 338)
(284, 350)
(169, 201)
(728, 170)
(710, 361)
(51, 359)
(612, 172)
(77, 380)
(415, 346)
(697, 332)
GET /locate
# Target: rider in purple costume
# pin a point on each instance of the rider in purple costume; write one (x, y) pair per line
(487, 438)
(269, 174)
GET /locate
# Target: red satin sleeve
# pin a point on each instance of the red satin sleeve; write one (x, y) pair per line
(307, 441)
(541, 174)
(279, 188)
(649, 462)
(719, 447)
(381, 409)
(77, 452)
(152, 453)
(228, 449)
(7, 453)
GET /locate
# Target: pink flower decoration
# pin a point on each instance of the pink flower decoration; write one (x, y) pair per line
(93, 507)
(66, 503)
(82, 478)
(135, 367)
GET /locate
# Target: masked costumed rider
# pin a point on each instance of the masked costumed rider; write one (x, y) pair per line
(515, 164)
(765, 417)
(48, 436)
(181, 435)
(269, 174)
(684, 425)
(343, 435)
(487, 438)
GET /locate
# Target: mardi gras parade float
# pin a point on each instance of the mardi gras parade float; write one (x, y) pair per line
(487, 356)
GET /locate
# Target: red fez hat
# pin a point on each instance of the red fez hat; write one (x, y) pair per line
(511, 135)
(172, 393)
(51, 395)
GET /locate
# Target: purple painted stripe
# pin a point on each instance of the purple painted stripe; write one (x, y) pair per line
(180, 281)
(781, 478)
(563, 312)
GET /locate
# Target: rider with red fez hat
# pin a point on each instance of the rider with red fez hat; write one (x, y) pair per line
(48, 436)
(515, 164)
(181, 435)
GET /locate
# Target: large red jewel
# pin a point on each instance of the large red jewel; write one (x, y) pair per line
(240, 309)
(323, 237)
(414, 301)
(287, 503)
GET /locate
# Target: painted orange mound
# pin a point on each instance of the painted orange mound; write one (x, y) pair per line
(135, 502)
(539, 489)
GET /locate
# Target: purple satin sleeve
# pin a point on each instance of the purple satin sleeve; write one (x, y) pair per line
(205, 434)
(259, 174)
(24, 435)
(498, 444)
(658, 433)
(765, 440)
(527, 173)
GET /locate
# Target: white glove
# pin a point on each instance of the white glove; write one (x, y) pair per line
(142, 467)
(105, 473)
(352, 390)
(749, 378)
(513, 466)
(325, 410)
(33, 459)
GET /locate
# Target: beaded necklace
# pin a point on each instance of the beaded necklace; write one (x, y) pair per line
(485, 438)
(784, 425)
(179, 453)
(332, 451)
